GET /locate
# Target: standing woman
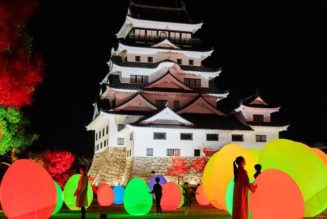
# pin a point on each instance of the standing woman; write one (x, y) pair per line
(81, 191)
(241, 188)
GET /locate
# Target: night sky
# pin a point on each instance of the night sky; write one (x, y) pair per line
(275, 46)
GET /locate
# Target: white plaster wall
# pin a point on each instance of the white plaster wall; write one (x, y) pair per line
(248, 112)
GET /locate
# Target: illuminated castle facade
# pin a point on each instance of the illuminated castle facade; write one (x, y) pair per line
(158, 101)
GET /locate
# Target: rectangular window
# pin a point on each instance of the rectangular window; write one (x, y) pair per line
(121, 126)
(97, 147)
(197, 152)
(176, 104)
(137, 58)
(174, 36)
(101, 145)
(103, 132)
(173, 152)
(191, 62)
(131, 137)
(159, 135)
(149, 152)
(141, 79)
(105, 143)
(120, 141)
(261, 138)
(161, 103)
(237, 137)
(212, 137)
(128, 153)
(107, 129)
(179, 61)
(99, 134)
(96, 136)
(257, 118)
(192, 82)
(150, 59)
(186, 136)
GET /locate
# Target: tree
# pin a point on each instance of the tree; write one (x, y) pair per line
(178, 166)
(200, 163)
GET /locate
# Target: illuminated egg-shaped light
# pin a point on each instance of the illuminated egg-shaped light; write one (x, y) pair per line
(200, 196)
(277, 196)
(255, 152)
(171, 196)
(321, 155)
(229, 197)
(118, 195)
(163, 180)
(105, 195)
(304, 166)
(181, 189)
(219, 171)
(137, 197)
(60, 199)
(27, 191)
(69, 190)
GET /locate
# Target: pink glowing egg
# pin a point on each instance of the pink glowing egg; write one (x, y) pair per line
(171, 196)
(277, 196)
(201, 197)
(105, 195)
(27, 191)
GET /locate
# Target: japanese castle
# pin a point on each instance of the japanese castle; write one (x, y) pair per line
(158, 101)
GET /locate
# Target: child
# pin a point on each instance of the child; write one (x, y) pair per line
(157, 190)
(257, 167)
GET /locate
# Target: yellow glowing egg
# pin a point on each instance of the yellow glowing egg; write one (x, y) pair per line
(219, 171)
(304, 166)
(321, 155)
(200, 196)
(277, 196)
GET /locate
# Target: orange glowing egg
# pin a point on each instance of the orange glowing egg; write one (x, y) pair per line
(277, 196)
(200, 196)
(171, 196)
(105, 195)
(27, 191)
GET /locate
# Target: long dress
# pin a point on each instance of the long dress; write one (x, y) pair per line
(240, 196)
(81, 191)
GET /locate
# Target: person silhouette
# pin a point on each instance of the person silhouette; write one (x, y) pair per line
(257, 167)
(187, 197)
(81, 191)
(157, 190)
(241, 187)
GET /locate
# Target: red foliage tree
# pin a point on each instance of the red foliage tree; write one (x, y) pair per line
(199, 164)
(178, 166)
(59, 163)
(20, 71)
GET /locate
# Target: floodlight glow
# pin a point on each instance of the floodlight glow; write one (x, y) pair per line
(69, 190)
(137, 197)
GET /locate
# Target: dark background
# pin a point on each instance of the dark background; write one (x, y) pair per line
(276, 46)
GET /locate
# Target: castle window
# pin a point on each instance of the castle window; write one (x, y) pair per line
(161, 103)
(212, 137)
(101, 145)
(174, 36)
(131, 137)
(173, 152)
(150, 59)
(129, 153)
(120, 141)
(237, 138)
(197, 152)
(140, 79)
(103, 132)
(107, 129)
(105, 143)
(186, 136)
(121, 126)
(159, 135)
(97, 147)
(191, 62)
(257, 118)
(149, 152)
(163, 34)
(96, 136)
(99, 134)
(137, 58)
(260, 138)
(192, 82)
(179, 61)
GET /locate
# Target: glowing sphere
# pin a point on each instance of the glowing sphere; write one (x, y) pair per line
(277, 196)
(69, 190)
(137, 197)
(255, 152)
(200, 196)
(60, 199)
(182, 200)
(105, 195)
(153, 180)
(320, 154)
(219, 171)
(171, 196)
(118, 195)
(27, 191)
(304, 166)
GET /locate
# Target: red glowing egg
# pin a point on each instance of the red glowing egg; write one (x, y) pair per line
(27, 191)
(277, 196)
(105, 195)
(171, 196)
(201, 197)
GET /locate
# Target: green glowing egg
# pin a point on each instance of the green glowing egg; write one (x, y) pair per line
(304, 166)
(60, 199)
(69, 190)
(137, 197)
(182, 200)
